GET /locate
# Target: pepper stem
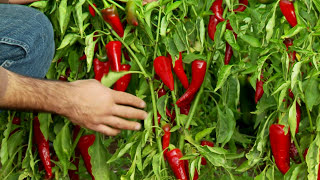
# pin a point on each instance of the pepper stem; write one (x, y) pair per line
(176, 107)
(117, 5)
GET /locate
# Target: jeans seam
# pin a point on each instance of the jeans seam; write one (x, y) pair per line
(11, 41)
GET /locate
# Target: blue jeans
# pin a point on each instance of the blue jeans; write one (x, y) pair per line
(26, 40)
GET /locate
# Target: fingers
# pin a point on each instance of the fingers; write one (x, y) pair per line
(120, 123)
(128, 99)
(106, 130)
(128, 112)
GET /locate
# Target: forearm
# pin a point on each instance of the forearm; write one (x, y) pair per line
(17, 1)
(19, 92)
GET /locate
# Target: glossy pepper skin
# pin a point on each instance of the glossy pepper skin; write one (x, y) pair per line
(123, 82)
(162, 67)
(287, 10)
(43, 147)
(100, 68)
(217, 9)
(91, 10)
(179, 71)
(198, 68)
(204, 143)
(280, 146)
(131, 13)
(243, 6)
(177, 165)
(166, 138)
(212, 26)
(110, 15)
(83, 145)
(228, 54)
(113, 49)
(259, 89)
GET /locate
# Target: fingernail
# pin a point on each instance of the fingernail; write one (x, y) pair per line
(138, 127)
(143, 104)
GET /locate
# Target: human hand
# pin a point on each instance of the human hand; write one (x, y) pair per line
(102, 109)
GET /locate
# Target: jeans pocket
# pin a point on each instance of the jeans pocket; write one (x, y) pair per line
(12, 50)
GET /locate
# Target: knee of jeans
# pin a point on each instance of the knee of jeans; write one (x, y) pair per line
(46, 33)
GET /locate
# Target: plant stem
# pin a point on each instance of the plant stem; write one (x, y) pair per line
(74, 145)
(157, 37)
(155, 120)
(310, 122)
(174, 99)
(298, 148)
(116, 4)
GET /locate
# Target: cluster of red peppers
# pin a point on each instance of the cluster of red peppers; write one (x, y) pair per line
(215, 19)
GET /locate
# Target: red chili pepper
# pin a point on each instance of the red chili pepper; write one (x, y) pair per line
(113, 49)
(198, 72)
(186, 165)
(228, 54)
(203, 143)
(178, 69)
(84, 143)
(291, 94)
(166, 138)
(73, 173)
(177, 165)
(15, 121)
(294, 155)
(83, 57)
(217, 9)
(298, 116)
(123, 82)
(212, 26)
(100, 68)
(289, 42)
(110, 15)
(162, 67)
(243, 7)
(131, 13)
(280, 146)
(185, 109)
(91, 10)
(161, 92)
(43, 147)
(259, 89)
(287, 10)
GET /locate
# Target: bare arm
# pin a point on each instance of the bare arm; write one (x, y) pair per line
(84, 102)
(17, 1)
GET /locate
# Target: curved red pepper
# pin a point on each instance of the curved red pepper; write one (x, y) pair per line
(166, 138)
(287, 10)
(280, 146)
(177, 165)
(228, 54)
(212, 26)
(131, 13)
(292, 55)
(161, 92)
(178, 69)
(198, 72)
(91, 10)
(162, 67)
(83, 145)
(43, 147)
(217, 9)
(243, 7)
(203, 143)
(113, 49)
(110, 15)
(123, 82)
(100, 68)
(259, 90)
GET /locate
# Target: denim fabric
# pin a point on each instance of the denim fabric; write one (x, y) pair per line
(26, 40)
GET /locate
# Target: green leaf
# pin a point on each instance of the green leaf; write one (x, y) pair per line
(252, 41)
(312, 158)
(156, 164)
(62, 15)
(271, 23)
(312, 92)
(112, 77)
(173, 6)
(189, 58)
(229, 37)
(68, 39)
(44, 119)
(39, 4)
(120, 152)
(295, 74)
(14, 141)
(179, 42)
(293, 31)
(163, 28)
(200, 135)
(63, 146)
(161, 103)
(225, 126)
(89, 50)
(98, 154)
(224, 73)
(292, 119)
(4, 155)
(73, 61)
(202, 31)
(79, 17)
